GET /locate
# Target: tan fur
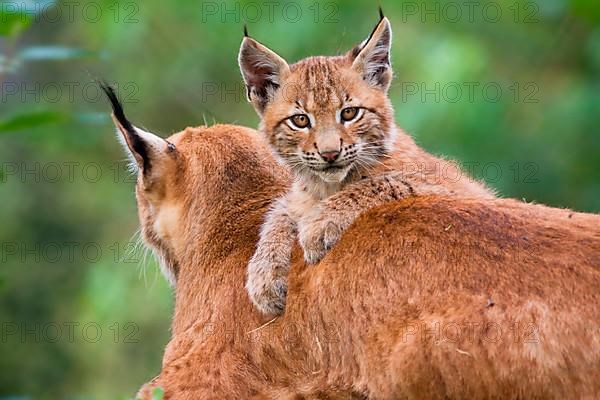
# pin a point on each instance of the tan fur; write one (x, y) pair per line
(376, 162)
(405, 306)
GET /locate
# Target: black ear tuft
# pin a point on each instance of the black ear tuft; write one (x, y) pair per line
(117, 107)
(136, 144)
(381, 16)
(246, 31)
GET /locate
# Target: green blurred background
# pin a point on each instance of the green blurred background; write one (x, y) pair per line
(509, 88)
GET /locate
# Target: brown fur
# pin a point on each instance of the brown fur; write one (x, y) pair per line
(362, 323)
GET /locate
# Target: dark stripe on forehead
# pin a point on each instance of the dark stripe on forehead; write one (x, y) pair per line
(320, 75)
(320, 81)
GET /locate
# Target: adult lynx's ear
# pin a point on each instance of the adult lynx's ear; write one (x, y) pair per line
(263, 71)
(148, 151)
(371, 58)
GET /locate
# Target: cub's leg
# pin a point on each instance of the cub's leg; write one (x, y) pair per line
(269, 266)
(317, 235)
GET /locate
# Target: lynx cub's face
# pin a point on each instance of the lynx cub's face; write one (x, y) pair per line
(326, 117)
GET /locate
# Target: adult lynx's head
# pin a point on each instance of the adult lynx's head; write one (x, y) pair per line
(190, 181)
(325, 116)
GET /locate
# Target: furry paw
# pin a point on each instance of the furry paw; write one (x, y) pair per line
(317, 238)
(267, 284)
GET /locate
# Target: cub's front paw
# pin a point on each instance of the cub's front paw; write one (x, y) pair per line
(317, 238)
(266, 285)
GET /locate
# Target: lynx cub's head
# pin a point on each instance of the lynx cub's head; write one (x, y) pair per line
(326, 117)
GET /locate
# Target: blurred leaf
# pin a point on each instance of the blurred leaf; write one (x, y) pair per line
(12, 21)
(31, 119)
(92, 118)
(15, 16)
(37, 53)
(587, 9)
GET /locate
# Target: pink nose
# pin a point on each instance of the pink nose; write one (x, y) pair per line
(329, 156)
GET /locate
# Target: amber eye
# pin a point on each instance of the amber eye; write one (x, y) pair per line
(300, 120)
(348, 113)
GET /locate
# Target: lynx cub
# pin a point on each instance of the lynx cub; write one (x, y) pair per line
(330, 121)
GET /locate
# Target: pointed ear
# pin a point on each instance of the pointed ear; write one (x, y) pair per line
(147, 150)
(263, 71)
(371, 58)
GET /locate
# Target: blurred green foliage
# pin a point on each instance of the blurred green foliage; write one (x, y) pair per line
(515, 97)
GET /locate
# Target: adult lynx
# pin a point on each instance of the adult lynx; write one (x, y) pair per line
(330, 120)
(413, 318)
